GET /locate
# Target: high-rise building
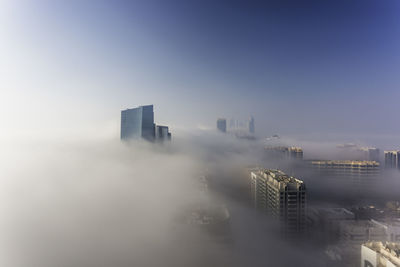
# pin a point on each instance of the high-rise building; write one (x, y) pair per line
(353, 170)
(369, 153)
(138, 123)
(221, 125)
(284, 152)
(380, 254)
(282, 197)
(162, 133)
(251, 125)
(392, 159)
(295, 152)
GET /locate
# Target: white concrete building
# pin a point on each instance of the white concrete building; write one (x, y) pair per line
(378, 254)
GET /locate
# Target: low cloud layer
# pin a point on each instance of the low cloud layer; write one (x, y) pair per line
(105, 203)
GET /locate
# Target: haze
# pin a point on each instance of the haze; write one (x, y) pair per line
(317, 74)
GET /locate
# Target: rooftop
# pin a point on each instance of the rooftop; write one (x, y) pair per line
(388, 250)
(279, 176)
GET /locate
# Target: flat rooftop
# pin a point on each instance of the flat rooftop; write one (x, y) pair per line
(279, 176)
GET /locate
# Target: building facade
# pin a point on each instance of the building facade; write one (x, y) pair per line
(162, 133)
(352, 170)
(295, 152)
(251, 125)
(138, 123)
(392, 159)
(380, 254)
(284, 152)
(280, 196)
(221, 125)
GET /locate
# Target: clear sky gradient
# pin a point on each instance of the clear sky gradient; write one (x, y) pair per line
(298, 67)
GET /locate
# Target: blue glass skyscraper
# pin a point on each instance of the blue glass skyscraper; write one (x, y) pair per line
(138, 123)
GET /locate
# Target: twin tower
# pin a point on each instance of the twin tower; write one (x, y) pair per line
(138, 123)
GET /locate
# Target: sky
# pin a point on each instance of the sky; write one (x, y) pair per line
(299, 67)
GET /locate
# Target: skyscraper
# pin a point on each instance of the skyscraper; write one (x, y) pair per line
(369, 153)
(138, 123)
(282, 197)
(251, 125)
(221, 125)
(392, 159)
(162, 133)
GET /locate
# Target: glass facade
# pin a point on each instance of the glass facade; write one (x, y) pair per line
(138, 123)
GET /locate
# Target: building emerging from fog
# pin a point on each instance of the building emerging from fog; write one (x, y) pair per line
(379, 254)
(284, 152)
(295, 152)
(221, 125)
(392, 159)
(138, 123)
(369, 153)
(355, 170)
(251, 125)
(281, 196)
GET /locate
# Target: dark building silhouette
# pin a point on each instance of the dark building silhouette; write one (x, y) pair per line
(221, 125)
(251, 125)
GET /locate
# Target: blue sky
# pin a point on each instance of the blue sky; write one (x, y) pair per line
(298, 66)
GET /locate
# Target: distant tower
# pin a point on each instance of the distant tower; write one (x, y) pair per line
(162, 133)
(221, 125)
(138, 123)
(392, 159)
(369, 153)
(251, 125)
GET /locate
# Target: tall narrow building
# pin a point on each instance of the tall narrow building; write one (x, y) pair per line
(282, 197)
(251, 125)
(138, 123)
(221, 125)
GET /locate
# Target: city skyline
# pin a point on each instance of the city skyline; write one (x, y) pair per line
(199, 133)
(316, 60)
